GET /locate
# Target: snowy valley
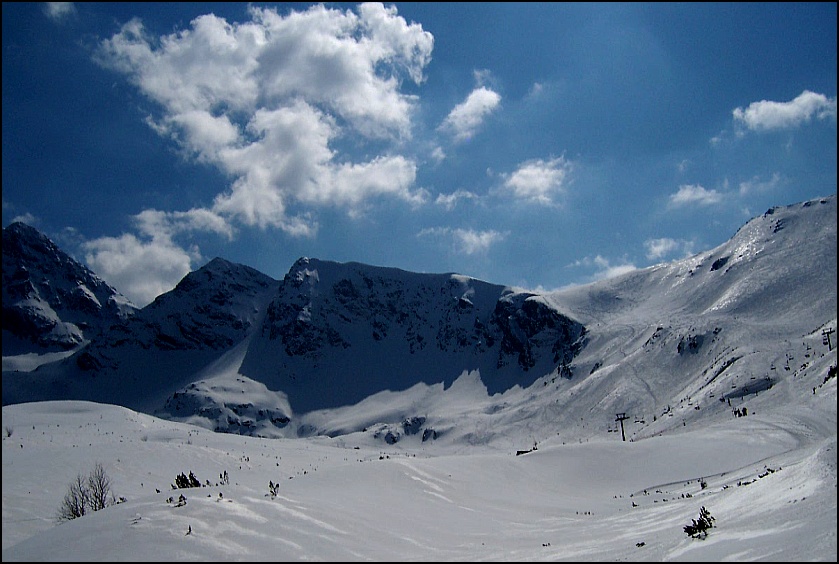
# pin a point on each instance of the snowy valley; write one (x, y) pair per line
(412, 416)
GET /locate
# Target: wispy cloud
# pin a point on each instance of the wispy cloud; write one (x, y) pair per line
(450, 201)
(694, 194)
(466, 118)
(26, 218)
(603, 267)
(539, 181)
(156, 223)
(535, 90)
(59, 11)
(465, 241)
(767, 115)
(438, 155)
(756, 185)
(667, 247)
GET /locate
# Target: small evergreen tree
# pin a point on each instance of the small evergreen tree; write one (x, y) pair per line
(699, 527)
(182, 481)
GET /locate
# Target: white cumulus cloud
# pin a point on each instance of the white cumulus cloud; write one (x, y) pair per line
(139, 269)
(694, 194)
(465, 119)
(539, 181)
(767, 115)
(265, 100)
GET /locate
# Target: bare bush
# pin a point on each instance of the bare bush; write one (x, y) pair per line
(86, 494)
(99, 489)
(75, 502)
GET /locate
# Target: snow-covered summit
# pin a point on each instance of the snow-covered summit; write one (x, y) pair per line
(147, 357)
(51, 302)
(338, 332)
(678, 343)
(213, 307)
(783, 258)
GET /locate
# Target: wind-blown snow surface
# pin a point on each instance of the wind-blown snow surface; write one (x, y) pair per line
(770, 484)
(431, 472)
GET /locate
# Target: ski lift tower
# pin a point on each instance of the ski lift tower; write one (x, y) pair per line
(622, 417)
(826, 337)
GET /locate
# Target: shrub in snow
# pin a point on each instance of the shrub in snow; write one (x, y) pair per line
(699, 527)
(86, 494)
(182, 481)
(99, 489)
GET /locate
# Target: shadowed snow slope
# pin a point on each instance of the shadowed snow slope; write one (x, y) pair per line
(51, 302)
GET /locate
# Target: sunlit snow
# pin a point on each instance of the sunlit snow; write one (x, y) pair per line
(720, 364)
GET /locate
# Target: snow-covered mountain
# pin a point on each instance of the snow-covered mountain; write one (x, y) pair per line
(51, 302)
(161, 348)
(337, 333)
(327, 335)
(719, 370)
(231, 349)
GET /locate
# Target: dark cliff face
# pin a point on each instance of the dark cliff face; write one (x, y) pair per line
(528, 328)
(324, 305)
(51, 301)
(211, 309)
(355, 321)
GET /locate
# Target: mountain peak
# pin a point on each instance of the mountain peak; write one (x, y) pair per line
(672, 340)
(218, 263)
(24, 241)
(50, 300)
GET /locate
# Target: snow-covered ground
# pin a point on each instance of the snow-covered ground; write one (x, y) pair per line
(30, 361)
(769, 482)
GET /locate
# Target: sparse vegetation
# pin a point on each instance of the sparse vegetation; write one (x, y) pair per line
(87, 494)
(699, 527)
(182, 481)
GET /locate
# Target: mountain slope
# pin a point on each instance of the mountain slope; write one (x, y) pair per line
(51, 302)
(692, 342)
(718, 362)
(737, 329)
(142, 361)
(337, 333)
(697, 338)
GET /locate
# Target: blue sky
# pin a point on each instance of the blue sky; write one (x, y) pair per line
(529, 144)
